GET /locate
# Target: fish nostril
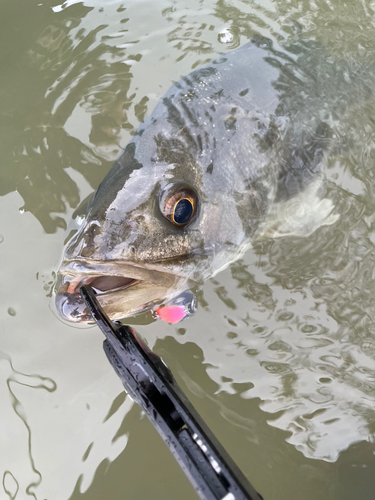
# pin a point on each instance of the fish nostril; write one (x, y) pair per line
(92, 229)
(88, 251)
(132, 250)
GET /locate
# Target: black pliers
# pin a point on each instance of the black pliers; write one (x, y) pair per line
(150, 383)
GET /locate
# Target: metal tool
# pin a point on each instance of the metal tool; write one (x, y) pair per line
(150, 383)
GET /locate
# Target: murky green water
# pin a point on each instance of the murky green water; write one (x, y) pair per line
(280, 359)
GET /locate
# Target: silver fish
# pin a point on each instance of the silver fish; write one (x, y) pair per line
(232, 152)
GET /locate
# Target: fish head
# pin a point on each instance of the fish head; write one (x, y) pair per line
(154, 228)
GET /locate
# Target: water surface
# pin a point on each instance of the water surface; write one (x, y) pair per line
(279, 360)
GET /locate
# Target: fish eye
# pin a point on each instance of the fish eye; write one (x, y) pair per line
(183, 210)
(179, 207)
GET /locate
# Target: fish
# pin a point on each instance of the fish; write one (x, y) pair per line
(233, 152)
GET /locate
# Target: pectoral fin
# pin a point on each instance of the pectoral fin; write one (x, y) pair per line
(299, 216)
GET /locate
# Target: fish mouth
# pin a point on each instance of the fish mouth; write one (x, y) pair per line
(123, 289)
(100, 284)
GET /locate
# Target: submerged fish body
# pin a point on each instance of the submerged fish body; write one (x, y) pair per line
(227, 147)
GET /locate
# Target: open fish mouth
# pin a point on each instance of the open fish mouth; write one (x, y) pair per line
(122, 289)
(101, 284)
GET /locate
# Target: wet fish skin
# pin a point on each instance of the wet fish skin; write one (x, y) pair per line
(231, 132)
(201, 125)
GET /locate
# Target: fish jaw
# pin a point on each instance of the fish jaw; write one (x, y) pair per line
(123, 289)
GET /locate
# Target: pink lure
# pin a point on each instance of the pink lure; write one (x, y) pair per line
(171, 314)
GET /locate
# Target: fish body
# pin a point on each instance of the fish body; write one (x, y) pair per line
(223, 150)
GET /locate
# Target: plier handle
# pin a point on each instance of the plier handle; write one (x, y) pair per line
(150, 383)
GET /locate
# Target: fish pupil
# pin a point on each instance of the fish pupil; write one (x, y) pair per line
(183, 211)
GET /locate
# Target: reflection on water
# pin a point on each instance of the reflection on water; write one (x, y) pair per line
(280, 358)
(19, 435)
(74, 71)
(52, 437)
(296, 357)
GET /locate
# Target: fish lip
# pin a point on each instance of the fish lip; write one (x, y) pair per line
(77, 282)
(74, 273)
(142, 272)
